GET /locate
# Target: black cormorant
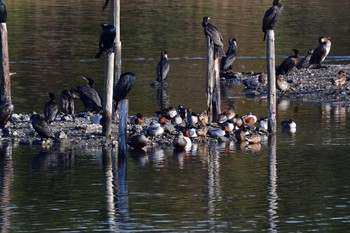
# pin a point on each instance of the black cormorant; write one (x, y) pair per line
(89, 96)
(163, 67)
(67, 102)
(50, 109)
(5, 114)
(271, 16)
(321, 52)
(41, 126)
(214, 35)
(122, 87)
(227, 62)
(305, 61)
(288, 64)
(3, 12)
(107, 37)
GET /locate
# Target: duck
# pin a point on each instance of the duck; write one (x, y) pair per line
(138, 141)
(253, 138)
(281, 84)
(288, 64)
(203, 118)
(237, 121)
(155, 129)
(320, 52)
(249, 119)
(264, 123)
(139, 119)
(51, 109)
(305, 61)
(262, 78)
(217, 132)
(339, 79)
(182, 142)
(289, 125)
(192, 118)
(241, 135)
(229, 113)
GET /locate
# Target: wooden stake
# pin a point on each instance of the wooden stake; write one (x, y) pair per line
(118, 45)
(5, 83)
(122, 133)
(213, 82)
(271, 74)
(108, 95)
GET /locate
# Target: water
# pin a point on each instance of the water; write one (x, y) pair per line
(298, 183)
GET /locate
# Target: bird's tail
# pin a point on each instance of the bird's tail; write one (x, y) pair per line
(98, 54)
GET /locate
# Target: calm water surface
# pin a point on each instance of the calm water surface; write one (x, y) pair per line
(293, 183)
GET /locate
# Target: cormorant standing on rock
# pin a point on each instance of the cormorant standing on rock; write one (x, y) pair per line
(67, 102)
(51, 109)
(227, 62)
(3, 12)
(271, 16)
(123, 86)
(41, 126)
(107, 37)
(89, 96)
(305, 61)
(288, 64)
(5, 114)
(163, 67)
(321, 52)
(214, 34)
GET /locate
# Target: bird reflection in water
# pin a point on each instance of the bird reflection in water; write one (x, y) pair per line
(53, 159)
(157, 157)
(163, 100)
(140, 157)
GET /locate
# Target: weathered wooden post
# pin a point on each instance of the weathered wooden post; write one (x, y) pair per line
(108, 94)
(5, 83)
(213, 82)
(122, 133)
(271, 74)
(115, 18)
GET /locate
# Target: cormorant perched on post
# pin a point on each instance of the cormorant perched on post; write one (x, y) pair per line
(321, 52)
(163, 67)
(214, 35)
(305, 61)
(106, 41)
(50, 109)
(106, 4)
(5, 114)
(271, 16)
(123, 86)
(89, 96)
(41, 126)
(227, 62)
(288, 64)
(3, 12)
(67, 102)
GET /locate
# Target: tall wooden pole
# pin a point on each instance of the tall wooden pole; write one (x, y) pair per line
(118, 45)
(5, 83)
(213, 82)
(271, 74)
(108, 95)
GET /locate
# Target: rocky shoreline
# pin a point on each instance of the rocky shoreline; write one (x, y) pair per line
(305, 85)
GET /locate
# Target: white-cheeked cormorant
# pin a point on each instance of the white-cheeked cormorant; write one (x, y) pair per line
(321, 52)
(214, 35)
(305, 61)
(288, 64)
(50, 109)
(123, 86)
(106, 41)
(227, 62)
(271, 16)
(163, 67)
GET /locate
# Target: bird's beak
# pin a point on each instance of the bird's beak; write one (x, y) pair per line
(235, 42)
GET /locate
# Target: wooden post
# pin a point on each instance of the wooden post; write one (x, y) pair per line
(108, 94)
(122, 133)
(213, 82)
(118, 45)
(5, 83)
(271, 74)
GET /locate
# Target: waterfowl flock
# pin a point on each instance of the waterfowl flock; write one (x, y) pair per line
(180, 126)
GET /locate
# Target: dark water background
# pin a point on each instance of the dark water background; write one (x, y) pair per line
(299, 185)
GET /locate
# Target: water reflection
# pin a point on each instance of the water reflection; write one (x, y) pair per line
(272, 185)
(6, 175)
(163, 99)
